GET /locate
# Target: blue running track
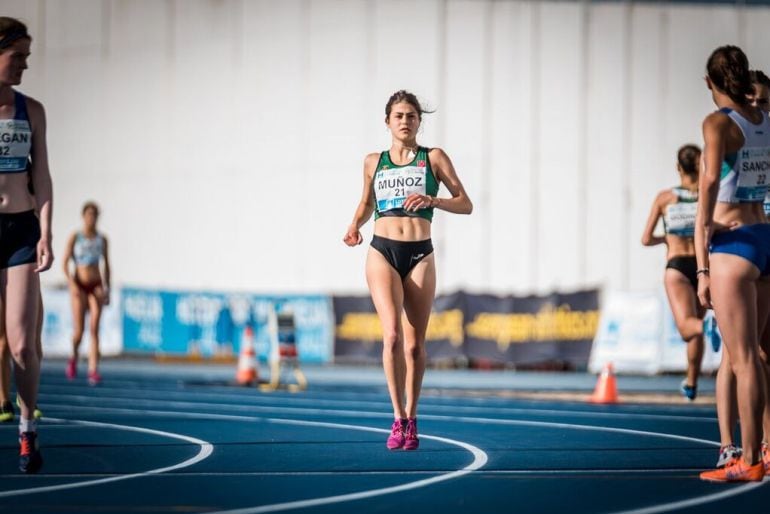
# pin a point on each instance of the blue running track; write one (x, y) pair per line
(158, 442)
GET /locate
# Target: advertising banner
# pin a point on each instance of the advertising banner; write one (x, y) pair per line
(526, 331)
(211, 324)
(358, 332)
(507, 330)
(630, 333)
(637, 334)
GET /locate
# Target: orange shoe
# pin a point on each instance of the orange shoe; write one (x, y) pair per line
(736, 471)
(766, 458)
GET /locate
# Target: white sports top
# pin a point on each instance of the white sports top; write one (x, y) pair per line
(679, 217)
(745, 173)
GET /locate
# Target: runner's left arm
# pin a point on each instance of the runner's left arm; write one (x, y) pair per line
(41, 181)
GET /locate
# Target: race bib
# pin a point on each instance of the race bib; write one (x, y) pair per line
(393, 186)
(680, 219)
(15, 144)
(753, 174)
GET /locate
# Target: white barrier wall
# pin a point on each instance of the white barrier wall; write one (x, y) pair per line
(224, 139)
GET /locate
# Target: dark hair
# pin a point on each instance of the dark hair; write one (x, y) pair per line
(11, 30)
(687, 157)
(728, 69)
(759, 77)
(90, 205)
(405, 96)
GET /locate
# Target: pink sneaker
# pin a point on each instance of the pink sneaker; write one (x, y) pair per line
(94, 378)
(72, 369)
(412, 442)
(396, 437)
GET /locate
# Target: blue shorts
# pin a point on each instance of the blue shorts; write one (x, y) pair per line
(752, 242)
(19, 235)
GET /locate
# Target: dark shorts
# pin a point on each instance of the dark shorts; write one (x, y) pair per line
(752, 242)
(402, 255)
(87, 288)
(687, 265)
(19, 235)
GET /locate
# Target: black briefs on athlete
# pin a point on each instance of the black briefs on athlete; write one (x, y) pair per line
(19, 235)
(402, 255)
(687, 265)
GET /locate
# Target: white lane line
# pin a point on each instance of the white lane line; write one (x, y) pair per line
(694, 502)
(400, 472)
(590, 428)
(122, 395)
(432, 417)
(654, 509)
(303, 411)
(734, 491)
(206, 449)
(479, 460)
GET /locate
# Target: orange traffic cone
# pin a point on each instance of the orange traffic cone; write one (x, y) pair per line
(606, 387)
(247, 360)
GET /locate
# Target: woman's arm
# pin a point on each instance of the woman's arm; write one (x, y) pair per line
(106, 287)
(365, 206)
(648, 237)
(106, 257)
(714, 130)
(68, 251)
(41, 181)
(459, 203)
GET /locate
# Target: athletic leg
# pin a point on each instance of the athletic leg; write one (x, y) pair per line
(22, 296)
(684, 307)
(79, 302)
(763, 313)
(95, 315)
(388, 297)
(419, 291)
(734, 296)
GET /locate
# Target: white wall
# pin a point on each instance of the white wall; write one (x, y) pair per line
(224, 139)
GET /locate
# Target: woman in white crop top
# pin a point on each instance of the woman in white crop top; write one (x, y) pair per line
(89, 288)
(676, 207)
(732, 243)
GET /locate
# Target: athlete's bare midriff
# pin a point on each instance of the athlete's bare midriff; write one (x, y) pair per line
(88, 274)
(402, 228)
(14, 193)
(678, 246)
(732, 214)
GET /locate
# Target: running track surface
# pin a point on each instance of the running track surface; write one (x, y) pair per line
(169, 442)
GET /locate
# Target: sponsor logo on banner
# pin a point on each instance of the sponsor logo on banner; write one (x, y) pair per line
(548, 324)
(358, 332)
(529, 331)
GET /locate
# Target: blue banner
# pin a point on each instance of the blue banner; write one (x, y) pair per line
(208, 324)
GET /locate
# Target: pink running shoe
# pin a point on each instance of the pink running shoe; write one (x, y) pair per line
(72, 369)
(94, 378)
(396, 437)
(412, 442)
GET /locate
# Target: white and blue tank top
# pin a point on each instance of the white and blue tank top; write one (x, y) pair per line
(88, 251)
(745, 173)
(679, 217)
(16, 138)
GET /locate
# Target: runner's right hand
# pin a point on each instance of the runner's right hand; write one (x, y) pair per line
(353, 236)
